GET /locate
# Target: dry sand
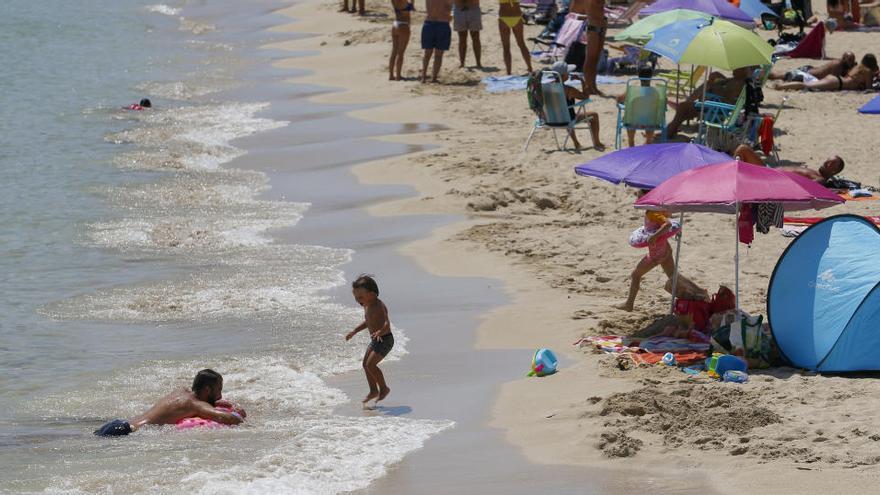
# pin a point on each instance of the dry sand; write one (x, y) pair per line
(559, 242)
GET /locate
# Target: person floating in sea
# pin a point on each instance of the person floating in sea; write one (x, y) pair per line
(399, 37)
(436, 35)
(202, 400)
(366, 293)
(144, 104)
(656, 229)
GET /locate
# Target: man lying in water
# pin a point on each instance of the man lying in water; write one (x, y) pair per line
(201, 401)
(826, 172)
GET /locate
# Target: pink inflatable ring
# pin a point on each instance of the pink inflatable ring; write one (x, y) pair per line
(639, 237)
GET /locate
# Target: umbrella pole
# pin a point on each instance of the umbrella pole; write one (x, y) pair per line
(677, 85)
(675, 271)
(703, 106)
(736, 261)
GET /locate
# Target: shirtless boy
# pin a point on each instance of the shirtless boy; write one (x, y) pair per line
(366, 293)
(201, 401)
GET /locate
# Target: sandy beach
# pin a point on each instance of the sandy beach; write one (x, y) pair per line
(558, 243)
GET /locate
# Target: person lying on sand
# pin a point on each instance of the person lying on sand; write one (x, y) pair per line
(834, 67)
(859, 78)
(202, 401)
(571, 94)
(727, 88)
(826, 171)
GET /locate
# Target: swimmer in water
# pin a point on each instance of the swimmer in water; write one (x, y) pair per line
(142, 105)
(202, 401)
(366, 293)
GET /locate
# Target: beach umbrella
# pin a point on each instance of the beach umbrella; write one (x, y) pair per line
(644, 28)
(713, 43)
(725, 187)
(649, 165)
(755, 8)
(716, 8)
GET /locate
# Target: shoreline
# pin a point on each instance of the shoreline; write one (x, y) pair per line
(558, 422)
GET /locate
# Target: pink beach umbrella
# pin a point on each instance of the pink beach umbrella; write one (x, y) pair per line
(725, 187)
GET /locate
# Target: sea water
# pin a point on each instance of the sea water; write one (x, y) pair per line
(132, 254)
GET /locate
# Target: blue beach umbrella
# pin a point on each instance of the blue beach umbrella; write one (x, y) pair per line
(755, 8)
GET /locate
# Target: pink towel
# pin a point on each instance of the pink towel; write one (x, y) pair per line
(570, 30)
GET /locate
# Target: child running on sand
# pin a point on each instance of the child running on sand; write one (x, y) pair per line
(366, 293)
(657, 224)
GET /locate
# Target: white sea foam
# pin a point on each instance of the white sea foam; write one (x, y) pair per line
(331, 455)
(163, 9)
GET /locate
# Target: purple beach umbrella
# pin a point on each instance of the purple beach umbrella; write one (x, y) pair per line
(649, 165)
(718, 8)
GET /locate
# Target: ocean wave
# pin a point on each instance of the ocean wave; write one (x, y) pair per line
(163, 9)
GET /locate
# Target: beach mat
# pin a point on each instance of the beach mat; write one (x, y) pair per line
(872, 107)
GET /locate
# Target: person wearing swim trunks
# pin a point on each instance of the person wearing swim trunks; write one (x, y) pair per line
(399, 37)
(827, 171)
(366, 293)
(594, 39)
(436, 35)
(510, 19)
(838, 66)
(659, 253)
(202, 400)
(859, 78)
(467, 18)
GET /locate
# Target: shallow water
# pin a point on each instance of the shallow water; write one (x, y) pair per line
(135, 252)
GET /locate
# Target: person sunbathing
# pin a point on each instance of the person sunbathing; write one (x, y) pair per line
(834, 67)
(727, 88)
(859, 78)
(830, 168)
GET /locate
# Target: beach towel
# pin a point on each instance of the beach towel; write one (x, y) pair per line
(681, 358)
(501, 84)
(812, 220)
(872, 107)
(812, 46)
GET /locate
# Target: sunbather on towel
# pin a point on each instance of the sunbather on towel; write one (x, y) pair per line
(859, 78)
(826, 171)
(834, 67)
(571, 94)
(727, 88)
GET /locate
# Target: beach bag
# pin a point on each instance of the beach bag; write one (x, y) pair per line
(535, 94)
(698, 312)
(748, 338)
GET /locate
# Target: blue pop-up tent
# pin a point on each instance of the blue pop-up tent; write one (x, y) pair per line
(824, 298)
(872, 106)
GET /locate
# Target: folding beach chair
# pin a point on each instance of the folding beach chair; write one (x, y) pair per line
(643, 108)
(557, 48)
(541, 12)
(620, 16)
(555, 112)
(720, 118)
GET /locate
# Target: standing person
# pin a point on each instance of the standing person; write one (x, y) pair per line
(399, 37)
(356, 6)
(510, 19)
(467, 18)
(366, 293)
(436, 35)
(596, 26)
(657, 224)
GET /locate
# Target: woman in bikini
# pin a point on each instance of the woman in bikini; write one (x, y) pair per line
(399, 37)
(859, 78)
(510, 19)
